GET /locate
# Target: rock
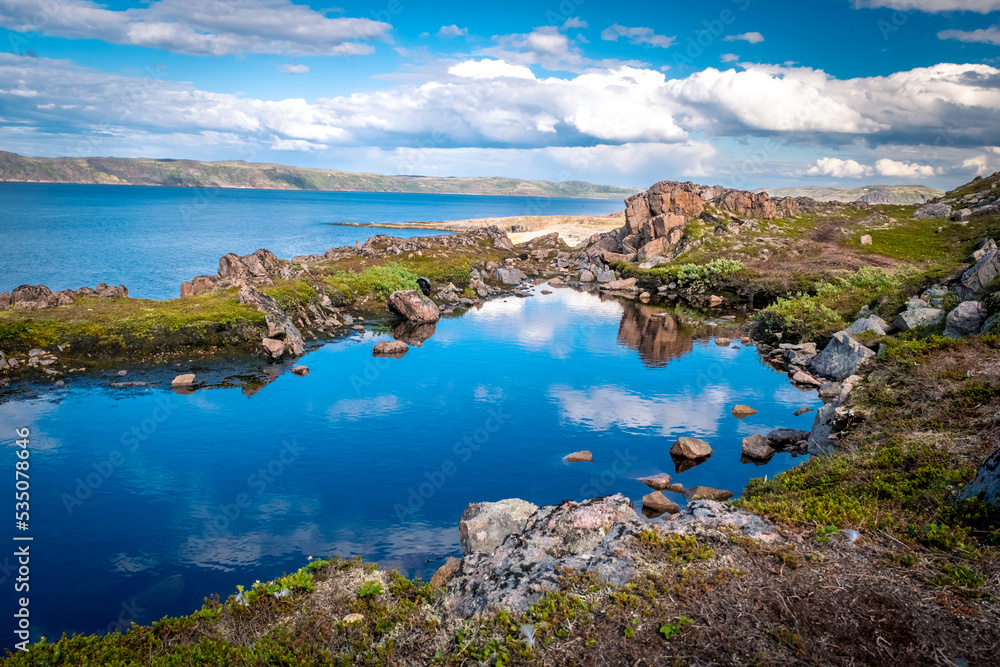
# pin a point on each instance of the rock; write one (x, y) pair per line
(5, 301)
(805, 379)
(690, 448)
(301, 371)
(122, 373)
(645, 297)
(866, 239)
(657, 482)
(715, 301)
(745, 340)
(446, 571)
(353, 618)
(390, 348)
(259, 268)
(279, 325)
(198, 285)
(185, 380)
(587, 277)
(757, 447)
(841, 357)
(933, 211)
(979, 276)
(557, 282)
(802, 411)
(707, 492)
(984, 247)
(741, 411)
(919, 317)
(989, 324)
(870, 323)
(606, 276)
(965, 320)
(659, 503)
(785, 437)
(273, 347)
(413, 306)
(484, 526)
(619, 285)
(580, 457)
(510, 276)
(987, 481)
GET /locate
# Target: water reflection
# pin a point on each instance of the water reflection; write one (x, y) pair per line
(657, 335)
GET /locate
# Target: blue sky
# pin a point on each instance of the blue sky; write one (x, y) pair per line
(745, 93)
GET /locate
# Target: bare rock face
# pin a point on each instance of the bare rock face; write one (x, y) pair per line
(413, 306)
(749, 204)
(484, 526)
(258, 269)
(690, 448)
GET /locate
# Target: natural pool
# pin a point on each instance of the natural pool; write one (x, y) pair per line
(146, 501)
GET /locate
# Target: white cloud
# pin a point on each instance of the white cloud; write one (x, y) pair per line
(200, 27)
(297, 145)
(983, 35)
(831, 166)
(887, 167)
(729, 58)
(574, 22)
(452, 31)
(752, 37)
(490, 69)
(979, 164)
(933, 6)
(294, 69)
(636, 36)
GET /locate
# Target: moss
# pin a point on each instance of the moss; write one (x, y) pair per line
(380, 281)
(674, 548)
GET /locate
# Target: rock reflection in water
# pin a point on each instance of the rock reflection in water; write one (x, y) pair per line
(413, 334)
(657, 335)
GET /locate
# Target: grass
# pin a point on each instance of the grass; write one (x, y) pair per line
(132, 327)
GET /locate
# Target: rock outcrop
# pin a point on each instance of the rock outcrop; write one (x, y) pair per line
(484, 526)
(36, 297)
(258, 269)
(987, 481)
(283, 337)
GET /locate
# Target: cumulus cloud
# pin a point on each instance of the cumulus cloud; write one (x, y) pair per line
(729, 57)
(933, 6)
(887, 167)
(640, 36)
(490, 69)
(752, 37)
(294, 69)
(831, 166)
(979, 164)
(982, 35)
(452, 31)
(200, 27)
(574, 22)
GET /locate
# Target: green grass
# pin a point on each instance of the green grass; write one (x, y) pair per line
(380, 281)
(131, 327)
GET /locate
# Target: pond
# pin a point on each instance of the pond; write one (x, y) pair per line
(146, 501)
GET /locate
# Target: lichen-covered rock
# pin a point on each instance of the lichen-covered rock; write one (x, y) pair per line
(841, 357)
(919, 317)
(870, 323)
(413, 306)
(975, 280)
(933, 211)
(966, 319)
(484, 526)
(510, 276)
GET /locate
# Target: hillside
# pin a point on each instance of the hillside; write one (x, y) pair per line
(260, 176)
(873, 194)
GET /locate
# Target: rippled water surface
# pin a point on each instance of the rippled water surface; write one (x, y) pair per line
(152, 239)
(145, 501)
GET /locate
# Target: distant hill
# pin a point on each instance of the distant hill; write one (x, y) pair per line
(259, 176)
(873, 194)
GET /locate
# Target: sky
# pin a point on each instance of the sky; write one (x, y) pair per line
(743, 93)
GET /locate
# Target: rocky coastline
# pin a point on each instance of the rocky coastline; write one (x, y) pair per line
(880, 548)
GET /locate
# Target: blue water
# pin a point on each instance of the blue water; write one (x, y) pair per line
(152, 239)
(371, 457)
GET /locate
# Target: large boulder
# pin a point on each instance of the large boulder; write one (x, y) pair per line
(690, 448)
(484, 526)
(937, 210)
(919, 317)
(975, 280)
(786, 437)
(841, 357)
(510, 276)
(619, 285)
(757, 447)
(987, 481)
(413, 306)
(965, 320)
